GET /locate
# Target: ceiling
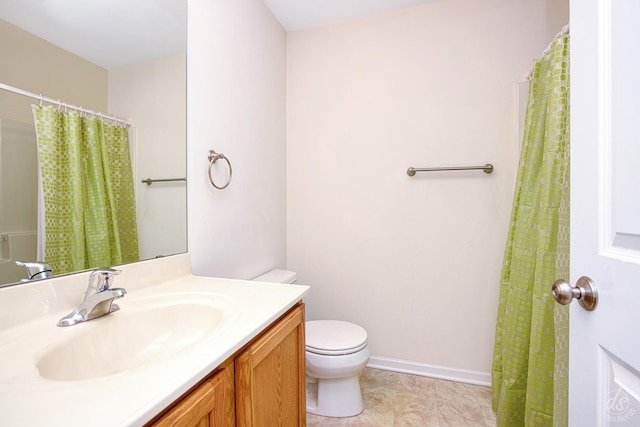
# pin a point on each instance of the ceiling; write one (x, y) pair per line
(115, 34)
(301, 14)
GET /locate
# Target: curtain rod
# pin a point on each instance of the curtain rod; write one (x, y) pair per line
(59, 103)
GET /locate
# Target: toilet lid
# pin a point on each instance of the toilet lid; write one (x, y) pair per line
(334, 337)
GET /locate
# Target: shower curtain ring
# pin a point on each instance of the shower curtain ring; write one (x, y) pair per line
(214, 157)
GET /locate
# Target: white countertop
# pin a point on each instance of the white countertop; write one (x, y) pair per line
(136, 395)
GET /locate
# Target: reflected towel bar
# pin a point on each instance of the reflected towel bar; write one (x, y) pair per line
(150, 181)
(488, 168)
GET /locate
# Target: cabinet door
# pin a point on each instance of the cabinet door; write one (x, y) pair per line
(209, 405)
(270, 376)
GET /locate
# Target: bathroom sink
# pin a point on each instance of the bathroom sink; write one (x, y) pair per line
(130, 338)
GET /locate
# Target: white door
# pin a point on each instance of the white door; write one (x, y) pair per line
(604, 368)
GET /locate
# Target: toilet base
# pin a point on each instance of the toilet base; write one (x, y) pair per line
(334, 397)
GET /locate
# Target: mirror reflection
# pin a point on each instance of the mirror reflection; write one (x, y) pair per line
(134, 70)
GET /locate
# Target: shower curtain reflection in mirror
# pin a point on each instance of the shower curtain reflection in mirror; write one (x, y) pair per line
(86, 212)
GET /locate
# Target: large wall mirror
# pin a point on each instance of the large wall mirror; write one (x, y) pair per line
(124, 58)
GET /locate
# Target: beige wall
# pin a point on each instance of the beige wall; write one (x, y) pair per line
(154, 93)
(416, 261)
(32, 64)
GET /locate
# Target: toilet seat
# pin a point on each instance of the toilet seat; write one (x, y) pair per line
(334, 337)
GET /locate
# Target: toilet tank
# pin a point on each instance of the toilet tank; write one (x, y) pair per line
(277, 276)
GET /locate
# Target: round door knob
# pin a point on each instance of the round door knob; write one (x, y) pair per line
(584, 291)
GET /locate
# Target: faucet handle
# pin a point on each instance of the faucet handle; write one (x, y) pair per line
(103, 277)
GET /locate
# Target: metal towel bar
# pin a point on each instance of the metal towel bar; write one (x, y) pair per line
(488, 168)
(150, 181)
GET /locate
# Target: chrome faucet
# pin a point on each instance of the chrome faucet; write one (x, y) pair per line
(98, 300)
(36, 270)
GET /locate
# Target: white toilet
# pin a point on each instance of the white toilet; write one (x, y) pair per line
(336, 353)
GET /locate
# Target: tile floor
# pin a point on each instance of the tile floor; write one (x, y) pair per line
(392, 399)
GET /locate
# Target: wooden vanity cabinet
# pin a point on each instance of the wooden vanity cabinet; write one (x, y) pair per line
(210, 404)
(261, 385)
(270, 376)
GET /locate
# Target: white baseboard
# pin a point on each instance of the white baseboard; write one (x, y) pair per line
(440, 372)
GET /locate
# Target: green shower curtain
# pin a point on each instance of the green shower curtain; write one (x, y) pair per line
(87, 186)
(528, 346)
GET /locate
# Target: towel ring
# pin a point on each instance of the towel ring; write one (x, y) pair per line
(214, 157)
